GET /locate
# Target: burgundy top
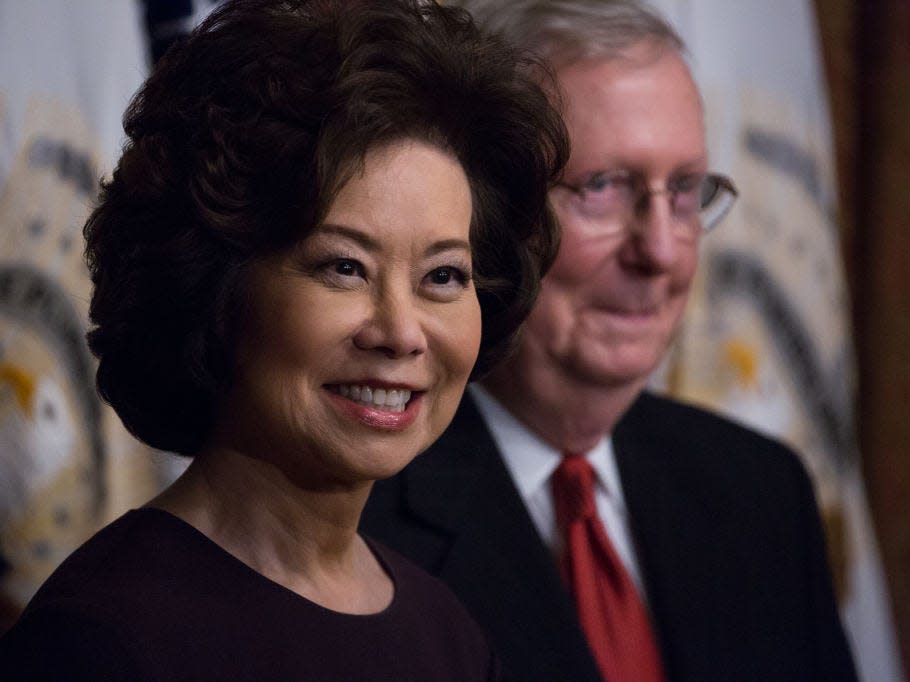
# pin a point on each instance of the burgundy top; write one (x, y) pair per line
(149, 597)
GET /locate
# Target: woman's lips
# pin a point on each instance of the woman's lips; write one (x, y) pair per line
(383, 397)
(397, 412)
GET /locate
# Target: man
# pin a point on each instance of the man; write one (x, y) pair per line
(700, 555)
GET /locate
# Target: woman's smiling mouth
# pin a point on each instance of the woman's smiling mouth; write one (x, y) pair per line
(388, 399)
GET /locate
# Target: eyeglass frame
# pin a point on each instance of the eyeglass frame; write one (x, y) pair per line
(642, 190)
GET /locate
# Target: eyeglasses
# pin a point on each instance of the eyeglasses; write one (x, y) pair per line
(698, 201)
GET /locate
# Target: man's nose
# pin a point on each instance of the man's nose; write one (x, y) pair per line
(394, 324)
(653, 241)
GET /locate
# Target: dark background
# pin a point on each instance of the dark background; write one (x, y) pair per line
(867, 59)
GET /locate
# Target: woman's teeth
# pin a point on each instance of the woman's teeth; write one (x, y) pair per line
(391, 400)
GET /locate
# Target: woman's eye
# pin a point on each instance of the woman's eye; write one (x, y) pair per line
(347, 268)
(446, 279)
(443, 275)
(341, 272)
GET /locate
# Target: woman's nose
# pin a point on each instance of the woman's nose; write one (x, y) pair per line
(393, 326)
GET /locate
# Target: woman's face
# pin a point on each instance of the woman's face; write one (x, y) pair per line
(361, 339)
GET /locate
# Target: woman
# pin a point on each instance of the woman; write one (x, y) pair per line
(326, 212)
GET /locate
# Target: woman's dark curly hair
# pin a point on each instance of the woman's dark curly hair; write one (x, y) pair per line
(239, 142)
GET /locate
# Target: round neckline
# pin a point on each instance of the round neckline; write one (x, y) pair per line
(242, 566)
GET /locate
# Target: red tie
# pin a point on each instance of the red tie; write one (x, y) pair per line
(610, 611)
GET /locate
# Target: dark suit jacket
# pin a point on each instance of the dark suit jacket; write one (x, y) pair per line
(725, 526)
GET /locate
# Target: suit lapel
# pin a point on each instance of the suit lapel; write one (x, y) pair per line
(674, 525)
(493, 557)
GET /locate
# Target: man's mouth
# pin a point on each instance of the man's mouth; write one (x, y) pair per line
(387, 399)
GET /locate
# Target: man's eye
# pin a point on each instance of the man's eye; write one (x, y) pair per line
(686, 184)
(603, 194)
(600, 182)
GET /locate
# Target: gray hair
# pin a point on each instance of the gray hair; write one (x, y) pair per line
(563, 31)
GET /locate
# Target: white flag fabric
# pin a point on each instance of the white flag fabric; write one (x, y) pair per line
(766, 338)
(67, 71)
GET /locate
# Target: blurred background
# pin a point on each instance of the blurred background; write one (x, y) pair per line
(867, 61)
(800, 317)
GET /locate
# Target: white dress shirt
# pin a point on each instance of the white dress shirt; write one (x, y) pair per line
(531, 462)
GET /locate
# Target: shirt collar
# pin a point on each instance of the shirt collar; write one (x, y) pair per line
(532, 461)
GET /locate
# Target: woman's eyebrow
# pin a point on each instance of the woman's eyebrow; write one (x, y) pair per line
(370, 243)
(367, 241)
(448, 245)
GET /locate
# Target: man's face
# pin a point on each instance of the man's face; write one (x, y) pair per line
(613, 300)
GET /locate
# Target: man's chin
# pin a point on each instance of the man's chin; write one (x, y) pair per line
(613, 369)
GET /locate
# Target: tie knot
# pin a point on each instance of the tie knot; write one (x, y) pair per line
(573, 490)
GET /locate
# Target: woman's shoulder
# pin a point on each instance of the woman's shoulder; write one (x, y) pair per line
(79, 625)
(143, 593)
(137, 550)
(71, 641)
(140, 568)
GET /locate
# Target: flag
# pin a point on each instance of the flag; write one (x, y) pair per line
(766, 339)
(67, 71)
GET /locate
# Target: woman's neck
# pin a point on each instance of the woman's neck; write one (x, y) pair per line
(305, 540)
